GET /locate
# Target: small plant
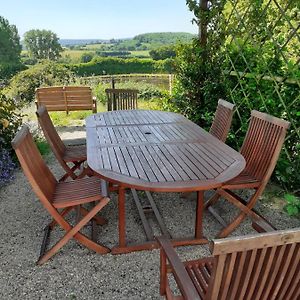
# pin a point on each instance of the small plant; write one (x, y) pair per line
(293, 204)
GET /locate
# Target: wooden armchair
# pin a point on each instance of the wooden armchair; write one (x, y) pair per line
(121, 99)
(75, 155)
(261, 266)
(222, 120)
(60, 198)
(261, 149)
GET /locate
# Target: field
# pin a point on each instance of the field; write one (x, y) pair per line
(76, 54)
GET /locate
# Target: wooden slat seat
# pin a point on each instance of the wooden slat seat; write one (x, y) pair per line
(121, 99)
(222, 120)
(261, 149)
(242, 179)
(261, 266)
(64, 154)
(60, 198)
(66, 98)
(81, 191)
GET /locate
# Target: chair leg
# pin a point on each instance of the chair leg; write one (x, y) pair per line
(246, 210)
(62, 213)
(99, 220)
(163, 272)
(73, 232)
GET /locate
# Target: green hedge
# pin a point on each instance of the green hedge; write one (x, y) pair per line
(111, 65)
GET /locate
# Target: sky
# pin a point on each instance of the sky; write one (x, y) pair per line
(98, 19)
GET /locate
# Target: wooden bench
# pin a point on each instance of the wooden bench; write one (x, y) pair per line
(66, 98)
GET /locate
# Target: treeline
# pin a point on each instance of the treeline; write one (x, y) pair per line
(112, 65)
(164, 38)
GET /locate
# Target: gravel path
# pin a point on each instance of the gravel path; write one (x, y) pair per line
(77, 273)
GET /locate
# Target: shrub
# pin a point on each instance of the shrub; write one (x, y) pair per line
(22, 86)
(7, 70)
(150, 92)
(86, 57)
(293, 204)
(163, 52)
(10, 121)
(198, 84)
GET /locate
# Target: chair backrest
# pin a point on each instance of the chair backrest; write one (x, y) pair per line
(65, 98)
(222, 120)
(55, 142)
(262, 145)
(120, 99)
(40, 177)
(264, 266)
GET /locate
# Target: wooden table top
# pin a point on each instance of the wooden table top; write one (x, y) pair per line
(158, 151)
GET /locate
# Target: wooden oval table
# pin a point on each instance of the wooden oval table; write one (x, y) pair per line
(157, 151)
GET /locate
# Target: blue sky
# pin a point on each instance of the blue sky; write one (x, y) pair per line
(98, 18)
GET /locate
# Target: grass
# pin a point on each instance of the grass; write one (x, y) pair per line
(43, 146)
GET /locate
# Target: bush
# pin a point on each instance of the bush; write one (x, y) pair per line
(10, 121)
(292, 206)
(7, 70)
(150, 92)
(111, 65)
(198, 84)
(163, 52)
(22, 86)
(86, 57)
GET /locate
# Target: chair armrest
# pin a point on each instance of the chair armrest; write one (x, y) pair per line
(181, 276)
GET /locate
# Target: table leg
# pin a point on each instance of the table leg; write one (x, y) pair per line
(199, 215)
(122, 221)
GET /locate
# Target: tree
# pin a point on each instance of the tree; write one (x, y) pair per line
(86, 57)
(163, 53)
(42, 44)
(10, 49)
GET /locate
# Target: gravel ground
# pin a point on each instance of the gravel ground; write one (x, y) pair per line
(77, 273)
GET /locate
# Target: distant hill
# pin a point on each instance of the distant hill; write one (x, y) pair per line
(80, 42)
(156, 39)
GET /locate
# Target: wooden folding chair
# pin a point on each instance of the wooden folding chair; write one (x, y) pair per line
(261, 266)
(222, 120)
(59, 198)
(261, 149)
(76, 155)
(120, 99)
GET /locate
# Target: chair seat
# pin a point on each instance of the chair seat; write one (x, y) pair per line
(75, 153)
(200, 273)
(242, 179)
(77, 192)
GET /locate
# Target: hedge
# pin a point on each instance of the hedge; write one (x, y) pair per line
(112, 65)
